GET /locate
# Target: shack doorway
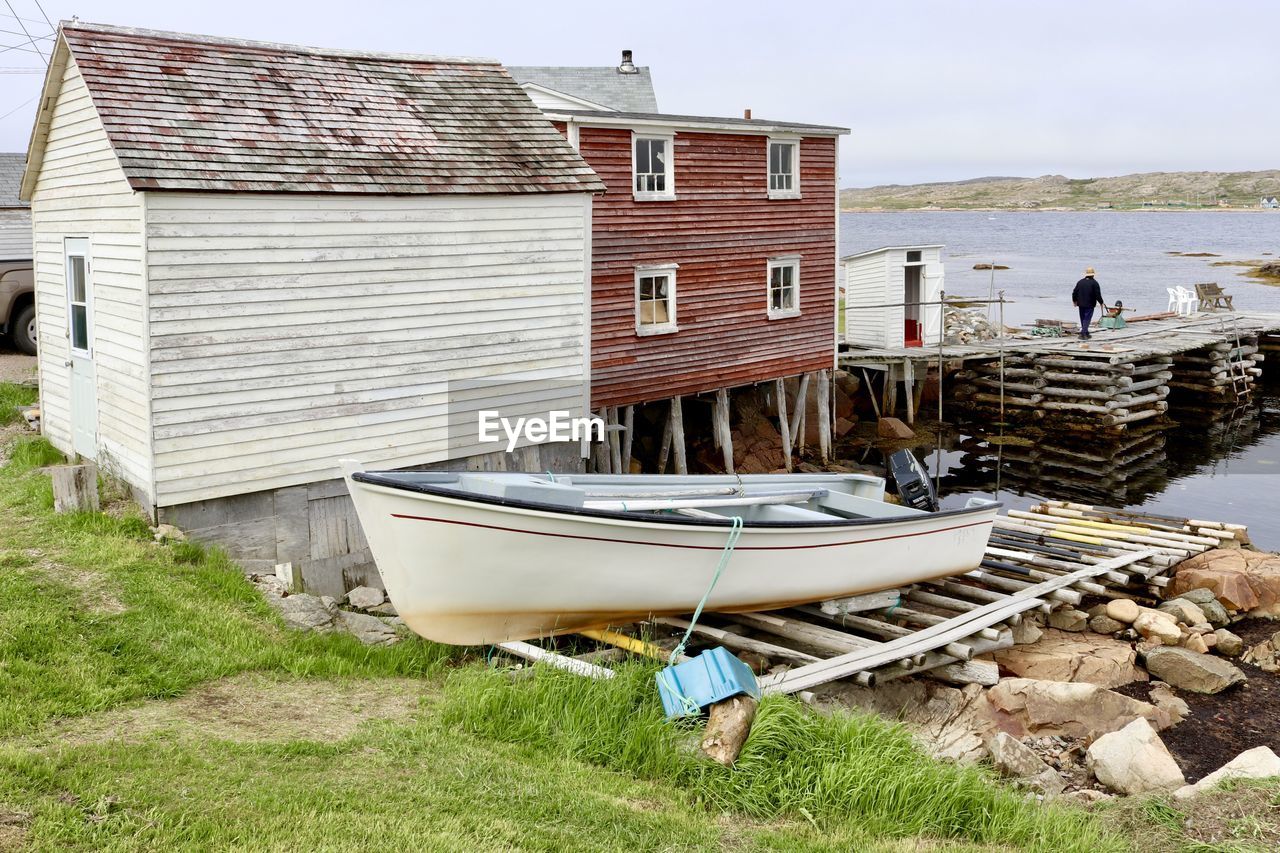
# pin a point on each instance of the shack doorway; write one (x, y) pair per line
(913, 292)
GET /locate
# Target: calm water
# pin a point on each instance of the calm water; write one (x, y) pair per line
(1224, 466)
(1046, 253)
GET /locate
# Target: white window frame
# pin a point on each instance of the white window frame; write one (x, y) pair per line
(794, 142)
(669, 177)
(79, 247)
(792, 261)
(651, 270)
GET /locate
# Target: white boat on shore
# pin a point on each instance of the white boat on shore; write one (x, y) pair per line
(474, 558)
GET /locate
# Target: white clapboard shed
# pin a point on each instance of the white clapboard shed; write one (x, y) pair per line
(883, 289)
(253, 259)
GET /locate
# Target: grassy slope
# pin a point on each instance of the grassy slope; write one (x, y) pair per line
(94, 615)
(1242, 189)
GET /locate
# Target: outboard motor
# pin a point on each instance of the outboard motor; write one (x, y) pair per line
(912, 482)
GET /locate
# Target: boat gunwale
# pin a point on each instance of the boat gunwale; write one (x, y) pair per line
(381, 479)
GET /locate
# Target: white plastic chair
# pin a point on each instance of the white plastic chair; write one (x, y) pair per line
(1173, 300)
(1187, 301)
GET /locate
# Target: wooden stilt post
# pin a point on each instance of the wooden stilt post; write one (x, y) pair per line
(824, 415)
(722, 428)
(797, 417)
(615, 442)
(908, 388)
(664, 453)
(601, 451)
(75, 488)
(783, 426)
(889, 405)
(871, 392)
(628, 427)
(677, 436)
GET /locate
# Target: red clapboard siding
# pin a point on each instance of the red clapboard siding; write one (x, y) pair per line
(721, 230)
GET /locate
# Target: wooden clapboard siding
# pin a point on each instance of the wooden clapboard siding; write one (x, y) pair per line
(81, 191)
(289, 330)
(721, 230)
(15, 234)
(866, 291)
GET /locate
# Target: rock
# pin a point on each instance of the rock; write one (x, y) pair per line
(1183, 611)
(168, 531)
(843, 426)
(1104, 624)
(307, 612)
(894, 428)
(1257, 763)
(1068, 619)
(384, 609)
(1228, 643)
(1027, 631)
(1166, 700)
(366, 597)
(1086, 796)
(1027, 706)
(1014, 758)
(369, 630)
(1199, 597)
(1195, 643)
(950, 723)
(1264, 655)
(1215, 614)
(1240, 580)
(1188, 670)
(1123, 610)
(1134, 760)
(1155, 625)
(1210, 640)
(1084, 658)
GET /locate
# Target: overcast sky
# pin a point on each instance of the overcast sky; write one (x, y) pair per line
(931, 90)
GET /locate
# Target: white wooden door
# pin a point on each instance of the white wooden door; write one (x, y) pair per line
(84, 393)
(933, 284)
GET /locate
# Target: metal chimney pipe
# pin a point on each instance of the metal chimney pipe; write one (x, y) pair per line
(627, 66)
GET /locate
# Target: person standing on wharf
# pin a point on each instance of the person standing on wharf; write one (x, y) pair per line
(1087, 295)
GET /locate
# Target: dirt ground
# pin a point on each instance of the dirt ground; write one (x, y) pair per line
(1222, 726)
(14, 366)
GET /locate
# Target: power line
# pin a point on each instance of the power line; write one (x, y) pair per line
(16, 18)
(45, 15)
(21, 47)
(20, 106)
(38, 38)
(23, 27)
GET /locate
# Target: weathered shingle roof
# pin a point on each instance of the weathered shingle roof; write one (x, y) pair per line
(607, 87)
(11, 166)
(195, 113)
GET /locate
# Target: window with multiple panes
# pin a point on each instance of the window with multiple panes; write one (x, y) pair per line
(78, 301)
(784, 171)
(784, 287)
(655, 299)
(653, 175)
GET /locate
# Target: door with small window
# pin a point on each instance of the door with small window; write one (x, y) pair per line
(83, 383)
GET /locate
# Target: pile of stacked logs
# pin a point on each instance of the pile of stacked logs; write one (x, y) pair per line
(1224, 371)
(1069, 391)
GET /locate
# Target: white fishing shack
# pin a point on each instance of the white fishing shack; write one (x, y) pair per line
(883, 292)
(253, 259)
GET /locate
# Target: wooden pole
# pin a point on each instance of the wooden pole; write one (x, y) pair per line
(628, 424)
(824, 415)
(664, 453)
(677, 436)
(908, 387)
(783, 426)
(615, 443)
(797, 417)
(722, 427)
(871, 392)
(75, 488)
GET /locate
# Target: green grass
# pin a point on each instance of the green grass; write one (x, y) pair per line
(11, 397)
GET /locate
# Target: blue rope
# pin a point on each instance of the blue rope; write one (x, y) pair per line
(725, 554)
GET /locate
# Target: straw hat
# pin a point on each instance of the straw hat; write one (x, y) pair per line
(1088, 271)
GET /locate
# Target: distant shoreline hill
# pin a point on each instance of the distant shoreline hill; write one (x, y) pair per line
(1149, 190)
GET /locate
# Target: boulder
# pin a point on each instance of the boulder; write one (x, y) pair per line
(1083, 658)
(843, 426)
(1228, 643)
(1265, 655)
(1014, 758)
(1188, 670)
(1027, 631)
(369, 630)
(1215, 614)
(1104, 624)
(1028, 706)
(1241, 580)
(1155, 625)
(1257, 763)
(894, 428)
(307, 612)
(1195, 643)
(366, 597)
(1183, 611)
(1123, 610)
(1069, 619)
(1134, 760)
(1199, 596)
(1166, 700)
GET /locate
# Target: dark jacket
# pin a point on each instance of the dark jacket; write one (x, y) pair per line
(1087, 293)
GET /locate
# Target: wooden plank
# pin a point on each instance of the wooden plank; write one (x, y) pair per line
(780, 391)
(677, 436)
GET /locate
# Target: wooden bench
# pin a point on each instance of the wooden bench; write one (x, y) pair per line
(1212, 298)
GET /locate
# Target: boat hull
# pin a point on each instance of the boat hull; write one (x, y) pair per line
(471, 573)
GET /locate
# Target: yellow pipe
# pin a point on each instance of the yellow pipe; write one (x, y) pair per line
(1076, 537)
(631, 644)
(1084, 531)
(1080, 522)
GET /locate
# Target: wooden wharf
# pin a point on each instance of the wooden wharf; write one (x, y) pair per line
(1118, 378)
